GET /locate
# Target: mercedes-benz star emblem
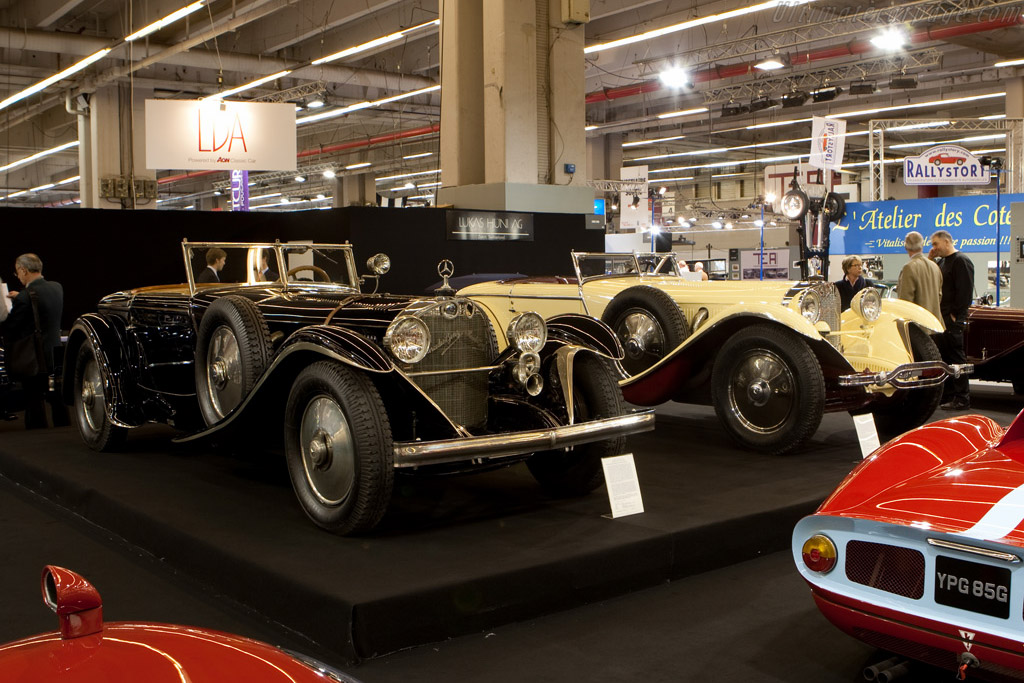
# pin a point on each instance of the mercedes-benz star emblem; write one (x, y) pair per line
(446, 269)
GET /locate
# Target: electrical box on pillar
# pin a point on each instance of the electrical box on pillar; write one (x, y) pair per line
(575, 11)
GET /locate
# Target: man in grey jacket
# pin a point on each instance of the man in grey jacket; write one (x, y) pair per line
(920, 279)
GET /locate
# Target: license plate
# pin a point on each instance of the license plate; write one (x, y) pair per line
(972, 586)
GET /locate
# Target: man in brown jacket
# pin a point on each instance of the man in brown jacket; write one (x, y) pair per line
(920, 280)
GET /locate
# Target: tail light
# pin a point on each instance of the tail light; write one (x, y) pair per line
(820, 554)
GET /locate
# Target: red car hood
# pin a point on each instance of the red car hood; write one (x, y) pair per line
(962, 475)
(154, 653)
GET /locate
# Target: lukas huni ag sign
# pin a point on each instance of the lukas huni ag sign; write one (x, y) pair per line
(944, 165)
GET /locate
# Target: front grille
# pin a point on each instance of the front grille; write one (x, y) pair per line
(830, 309)
(888, 568)
(460, 341)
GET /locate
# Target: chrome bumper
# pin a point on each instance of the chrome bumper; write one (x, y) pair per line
(907, 376)
(415, 453)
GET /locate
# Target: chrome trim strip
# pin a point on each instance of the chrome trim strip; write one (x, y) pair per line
(417, 453)
(455, 371)
(974, 550)
(534, 296)
(901, 376)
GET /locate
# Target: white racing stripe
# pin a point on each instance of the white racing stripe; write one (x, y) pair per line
(1001, 519)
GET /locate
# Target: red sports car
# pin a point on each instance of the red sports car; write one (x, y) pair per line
(940, 159)
(919, 551)
(86, 650)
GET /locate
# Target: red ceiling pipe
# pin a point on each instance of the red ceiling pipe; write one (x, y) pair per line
(855, 47)
(366, 142)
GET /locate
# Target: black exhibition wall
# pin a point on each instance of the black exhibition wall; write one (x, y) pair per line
(93, 252)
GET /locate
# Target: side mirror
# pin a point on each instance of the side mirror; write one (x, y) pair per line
(379, 264)
(77, 603)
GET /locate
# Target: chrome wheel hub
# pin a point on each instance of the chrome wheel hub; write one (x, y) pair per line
(642, 338)
(223, 371)
(328, 450)
(762, 391)
(91, 409)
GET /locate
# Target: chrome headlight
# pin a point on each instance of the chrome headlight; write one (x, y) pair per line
(528, 332)
(867, 303)
(379, 264)
(408, 339)
(810, 306)
(794, 205)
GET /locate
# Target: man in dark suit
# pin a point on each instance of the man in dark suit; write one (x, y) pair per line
(21, 323)
(215, 260)
(266, 273)
(957, 294)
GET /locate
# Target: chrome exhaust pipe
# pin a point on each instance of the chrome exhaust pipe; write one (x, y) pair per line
(871, 672)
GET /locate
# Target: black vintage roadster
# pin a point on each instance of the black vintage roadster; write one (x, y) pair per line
(284, 345)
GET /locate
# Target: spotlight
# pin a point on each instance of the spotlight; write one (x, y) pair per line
(862, 87)
(891, 39)
(636, 201)
(329, 173)
(794, 99)
(676, 77)
(762, 102)
(770, 64)
(684, 224)
(734, 109)
(315, 103)
(826, 94)
(662, 190)
(300, 178)
(717, 225)
(903, 82)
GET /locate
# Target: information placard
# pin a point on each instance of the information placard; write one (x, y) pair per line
(623, 485)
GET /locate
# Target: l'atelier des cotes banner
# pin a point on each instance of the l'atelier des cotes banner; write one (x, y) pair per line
(879, 227)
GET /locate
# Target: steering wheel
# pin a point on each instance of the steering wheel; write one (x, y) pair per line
(317, 270)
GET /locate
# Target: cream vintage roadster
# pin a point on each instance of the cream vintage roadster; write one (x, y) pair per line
(770, 356)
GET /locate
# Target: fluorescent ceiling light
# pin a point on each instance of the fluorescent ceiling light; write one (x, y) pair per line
(38, 155)
(672, 180)
(916, 105)
(770, 64)
(169, 19)
(17, 194)
(247, 86)
(265, 196)
(776, 124)
(693, 23)
(67, 180)
(918, 126)
(973, 138)
(684, 112)
(361, 164)
(421, 196)
(364, 105)
(433, 184)
(406, 175)
(47, 82)
(418, 156)
(589, 128)
(315, 104)
(992, 117)
(47, 186)
(1010, 62)
(652, 141)
(376, 42)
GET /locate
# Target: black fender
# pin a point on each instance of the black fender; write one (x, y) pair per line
(585, 331)
(342, 344)
(110, 339)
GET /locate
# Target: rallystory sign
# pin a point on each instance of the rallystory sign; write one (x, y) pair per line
(945, 165)
(879, 227)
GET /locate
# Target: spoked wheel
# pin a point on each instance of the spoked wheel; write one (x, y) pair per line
(577, 470)
(90, 404)
(909, 408)
(232, 350)
(768, 389)
(339, 448)
(648, 323)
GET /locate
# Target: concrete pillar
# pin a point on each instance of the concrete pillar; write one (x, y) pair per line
(1015, 98)
(113, 145)
(604, 156)
(355, 190)
(513, 108)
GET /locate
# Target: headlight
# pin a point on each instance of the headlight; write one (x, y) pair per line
(379, 264)
(528, 332)
(867, 304)
(408, 339)
(820, 554)
(794, 205)
(810, 306)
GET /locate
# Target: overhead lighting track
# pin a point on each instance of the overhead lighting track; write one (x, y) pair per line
(166, 21)
(376, 42)
(364, 105)
(47, 82)
(39, 155)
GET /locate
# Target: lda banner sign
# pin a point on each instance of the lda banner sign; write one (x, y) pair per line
(210, 134)
(944, 165)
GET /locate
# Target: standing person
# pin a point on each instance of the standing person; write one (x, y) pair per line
(215, 260)
(920, 280)
(853, 281)
(21, 323)
(957, 292)
(266, 273)
(699, 268)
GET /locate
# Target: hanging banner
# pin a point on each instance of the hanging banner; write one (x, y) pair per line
(828, 142)
(239, 190)
(880, 227)
(634, 209)
(210, 134)
(945, 165)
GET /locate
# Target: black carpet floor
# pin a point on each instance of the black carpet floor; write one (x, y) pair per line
(453, 542)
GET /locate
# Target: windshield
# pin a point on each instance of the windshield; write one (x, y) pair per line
(600, 265)
(256, 264)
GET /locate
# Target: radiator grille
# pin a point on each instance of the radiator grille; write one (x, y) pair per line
(888, 568)
(465, 340)
(830, 309)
